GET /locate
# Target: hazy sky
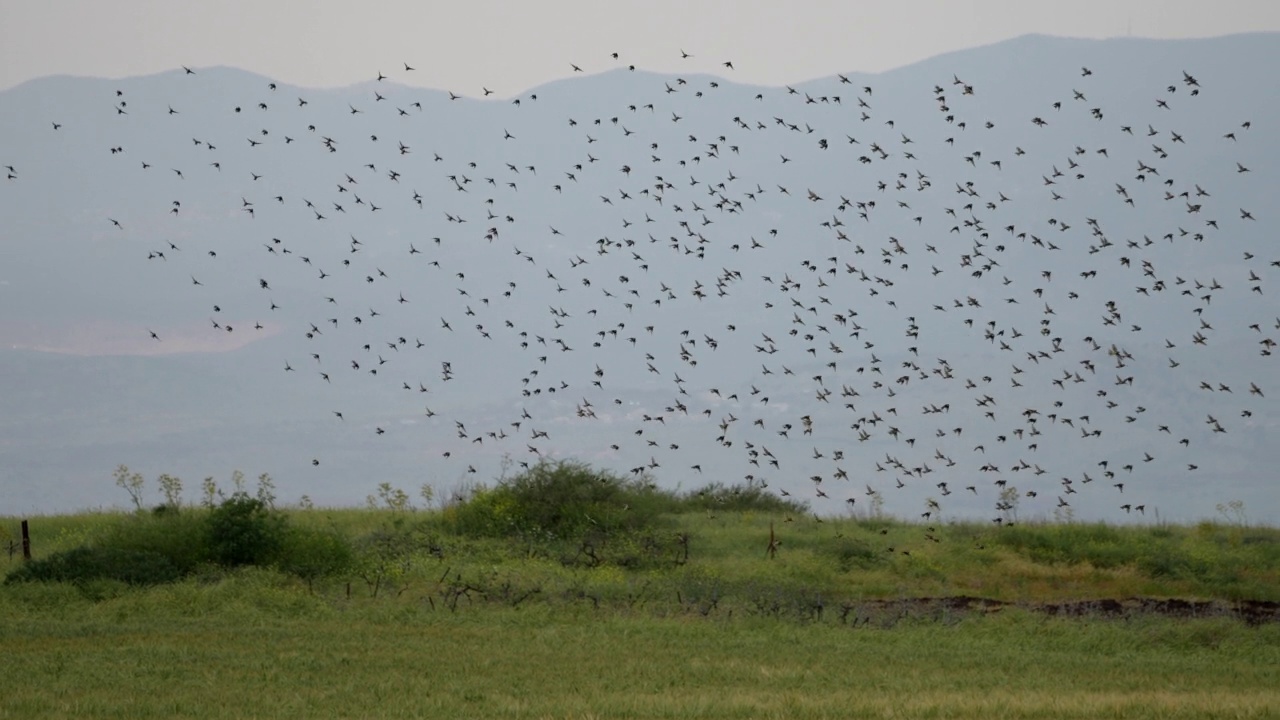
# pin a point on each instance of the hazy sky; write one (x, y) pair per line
(511, 45)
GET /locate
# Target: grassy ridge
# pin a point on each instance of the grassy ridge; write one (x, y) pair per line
(838, 559)
(682, 615)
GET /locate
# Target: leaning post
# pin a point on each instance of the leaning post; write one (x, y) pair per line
(26, 541)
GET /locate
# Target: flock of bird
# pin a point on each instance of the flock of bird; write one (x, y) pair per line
(851, 305)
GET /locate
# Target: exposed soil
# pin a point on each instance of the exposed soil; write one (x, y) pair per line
(1253, 612)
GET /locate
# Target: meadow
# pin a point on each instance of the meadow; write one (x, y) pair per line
(719, 604)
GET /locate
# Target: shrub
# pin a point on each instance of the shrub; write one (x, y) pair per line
(315, 554)
(84, 564)
(740, 498)
(632, 550)
(168, 543)
(385, 557)
(243, 530)
(484, 512)
(182, 538)
(559, 500)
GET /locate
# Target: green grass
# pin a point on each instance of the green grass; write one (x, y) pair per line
(252, 645)
(838, 559)
(519, 627)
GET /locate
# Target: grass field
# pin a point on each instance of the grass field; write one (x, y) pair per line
(704, 624)
(254, 646)
(838, 559)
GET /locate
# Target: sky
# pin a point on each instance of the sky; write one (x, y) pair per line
(513, 45)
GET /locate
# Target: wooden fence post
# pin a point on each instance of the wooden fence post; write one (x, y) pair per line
(26, 541)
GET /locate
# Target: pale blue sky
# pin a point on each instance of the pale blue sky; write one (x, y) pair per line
(509, 46)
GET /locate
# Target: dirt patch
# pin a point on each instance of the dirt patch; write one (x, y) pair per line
(1254, 612)
(867, 612)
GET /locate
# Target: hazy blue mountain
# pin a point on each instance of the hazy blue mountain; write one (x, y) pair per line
(991, 267)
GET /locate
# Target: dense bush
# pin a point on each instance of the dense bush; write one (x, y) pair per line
(85, 564)
(159, 547)
(243, 530)
(181, 537)
(385, 557)
(314, 554)
(559, 500)
(565, 499)
(740, 498)
(580, 516)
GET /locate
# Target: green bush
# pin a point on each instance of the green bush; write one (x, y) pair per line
(165, 545)
(86, 564)
(631, 550)
(740, 498)
(485, 512)
(584, 517)
(385, 557)
(182, 538)
(313, 554)
(565, 499)
(244, 531)
(559, 500)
